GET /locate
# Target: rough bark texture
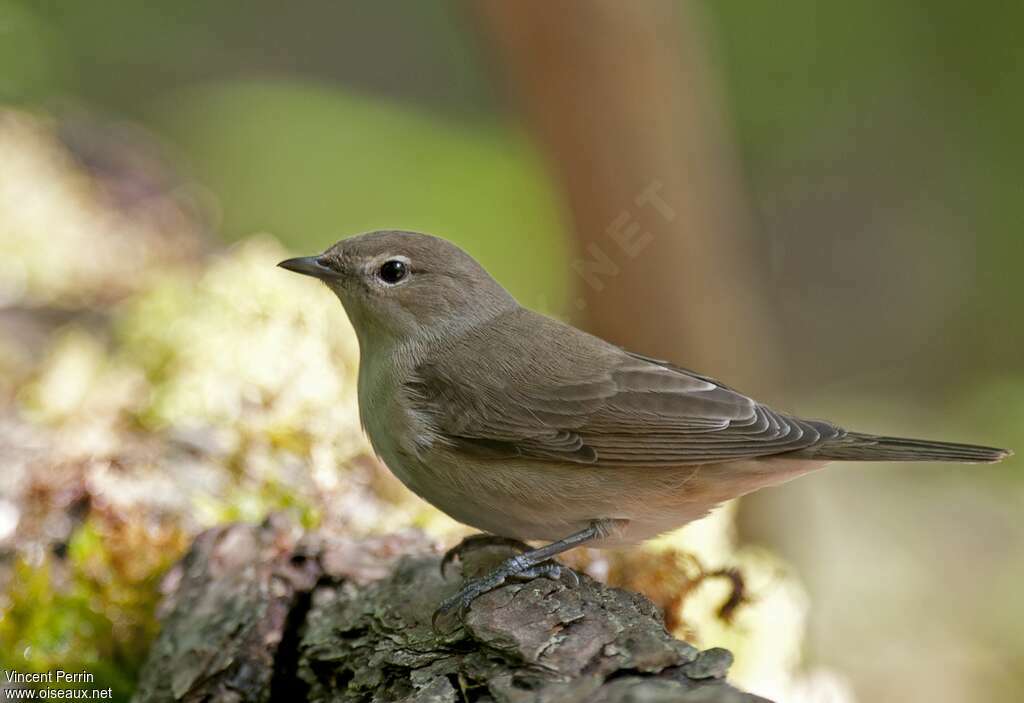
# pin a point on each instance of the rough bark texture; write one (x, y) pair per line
(260, 613)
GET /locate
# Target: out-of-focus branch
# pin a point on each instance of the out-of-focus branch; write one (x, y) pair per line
(618, 96)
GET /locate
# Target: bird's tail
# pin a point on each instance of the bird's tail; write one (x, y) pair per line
(855, 446)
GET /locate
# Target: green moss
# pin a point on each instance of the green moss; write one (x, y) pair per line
(94, 609)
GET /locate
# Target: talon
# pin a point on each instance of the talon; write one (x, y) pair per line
(472, 590)
(572, 577)
(513, 568)
(446, 607)
(548, 569)
(535, 561)
(447, 559)
(551, 570)
(460, 601)
(476, 542)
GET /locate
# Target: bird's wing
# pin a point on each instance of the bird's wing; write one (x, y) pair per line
(584, 401)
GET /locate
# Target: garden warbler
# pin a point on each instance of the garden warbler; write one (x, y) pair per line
(530, 429)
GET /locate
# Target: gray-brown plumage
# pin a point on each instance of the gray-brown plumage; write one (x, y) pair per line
(529, 428)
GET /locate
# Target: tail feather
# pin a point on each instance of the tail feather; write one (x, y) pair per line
(855, 446)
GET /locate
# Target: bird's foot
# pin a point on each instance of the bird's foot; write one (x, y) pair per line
(550, 570)
(480, 541)
(517, 568)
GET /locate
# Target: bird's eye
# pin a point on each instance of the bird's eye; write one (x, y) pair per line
(393, 271)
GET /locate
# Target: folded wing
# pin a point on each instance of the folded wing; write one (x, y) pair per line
(589, 402)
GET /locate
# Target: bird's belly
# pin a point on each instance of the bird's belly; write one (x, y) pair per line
(543, 501)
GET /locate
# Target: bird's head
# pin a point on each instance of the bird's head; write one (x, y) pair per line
(397, 286)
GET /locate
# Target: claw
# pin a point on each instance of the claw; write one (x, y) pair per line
(515, 568)
(474, 588)
(476, 542)
(572, 577)
(527, 562)
(442, 610)
(547, 569)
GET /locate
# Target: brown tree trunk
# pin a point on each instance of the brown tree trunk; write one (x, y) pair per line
(619, 98)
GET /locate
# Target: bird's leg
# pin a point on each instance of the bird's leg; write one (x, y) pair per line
(528, 563)
(477, 542)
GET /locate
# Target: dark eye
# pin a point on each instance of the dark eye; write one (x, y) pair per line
(393, 271)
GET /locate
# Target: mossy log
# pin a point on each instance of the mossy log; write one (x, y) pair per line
(263, 613)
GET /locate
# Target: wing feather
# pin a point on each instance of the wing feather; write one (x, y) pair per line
(589, 402)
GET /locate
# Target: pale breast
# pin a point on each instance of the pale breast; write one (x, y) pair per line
(398, 433)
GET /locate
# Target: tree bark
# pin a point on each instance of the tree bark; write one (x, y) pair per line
(262, 613)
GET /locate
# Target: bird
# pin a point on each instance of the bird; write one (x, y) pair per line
(530, 429)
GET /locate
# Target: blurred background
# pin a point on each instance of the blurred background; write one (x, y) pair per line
(820, 205)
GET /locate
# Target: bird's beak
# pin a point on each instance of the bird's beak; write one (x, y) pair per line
(309, 266)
